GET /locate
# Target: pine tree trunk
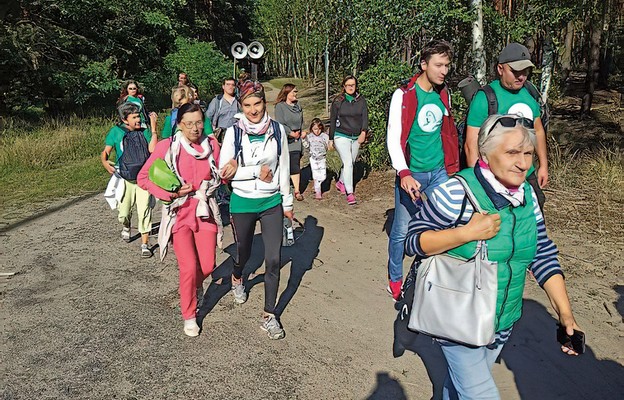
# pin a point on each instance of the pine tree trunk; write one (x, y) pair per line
(477, 41)
(547, 65)
(593, 63)
(566, 56)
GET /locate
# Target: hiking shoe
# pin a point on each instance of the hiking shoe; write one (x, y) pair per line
(200, 296)
(125, 234)
(318, 195)
(394, 289)
(351, 199)
(191, 328)
(272, 327)
(341, 187)
(145, 251)
(240, 296)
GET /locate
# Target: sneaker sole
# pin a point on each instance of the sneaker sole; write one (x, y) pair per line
(145, 255)
(191, 333)
(274, 337)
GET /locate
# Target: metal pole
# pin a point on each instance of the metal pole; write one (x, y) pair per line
(234, 71)
(327, 76)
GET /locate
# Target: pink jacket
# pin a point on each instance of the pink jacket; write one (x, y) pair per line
(193, 171)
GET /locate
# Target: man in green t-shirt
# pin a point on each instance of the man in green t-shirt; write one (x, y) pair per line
(132, 193)
(513, 69)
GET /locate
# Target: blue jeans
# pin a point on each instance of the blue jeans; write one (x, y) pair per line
(470, 372)
(404, 210)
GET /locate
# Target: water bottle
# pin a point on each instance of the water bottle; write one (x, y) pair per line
(288, 238)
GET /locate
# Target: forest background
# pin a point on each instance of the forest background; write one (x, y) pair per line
(62, 62)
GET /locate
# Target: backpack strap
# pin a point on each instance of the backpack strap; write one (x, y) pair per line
(277, 134)
(220, 104)
(238, 137)
(530, 87)
(491, 99)
(238, 147)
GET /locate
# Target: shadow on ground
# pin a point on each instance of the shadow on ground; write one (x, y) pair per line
(301, 257)
(387, 388)
(539, 367)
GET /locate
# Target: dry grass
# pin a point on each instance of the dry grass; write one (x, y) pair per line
(58, 159)
(586, 192)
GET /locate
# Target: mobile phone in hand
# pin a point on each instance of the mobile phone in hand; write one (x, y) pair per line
(576, 341)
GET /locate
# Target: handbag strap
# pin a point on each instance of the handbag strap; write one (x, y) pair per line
(469, 194)
(481, 248)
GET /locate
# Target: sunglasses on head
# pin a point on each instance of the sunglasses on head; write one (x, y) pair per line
(511, 122)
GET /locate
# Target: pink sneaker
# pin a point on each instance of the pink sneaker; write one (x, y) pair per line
(351, 199)
(318, 195)
(341, 187)
(394, 289)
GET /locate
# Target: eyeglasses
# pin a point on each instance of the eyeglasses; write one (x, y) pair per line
(191, 124)
(132, 88)
(350, 85)
(510, 122)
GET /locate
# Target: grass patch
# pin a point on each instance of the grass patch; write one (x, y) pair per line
(58, 159)
(279, 82)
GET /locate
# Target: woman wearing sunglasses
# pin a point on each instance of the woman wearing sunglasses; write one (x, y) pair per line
(130, 93)
(514, 230)
(191, 215)
(255, 159)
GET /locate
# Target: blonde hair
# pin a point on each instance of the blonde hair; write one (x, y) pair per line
(181, 95)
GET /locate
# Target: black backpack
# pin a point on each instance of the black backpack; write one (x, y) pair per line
(134, 154)
(238, 135)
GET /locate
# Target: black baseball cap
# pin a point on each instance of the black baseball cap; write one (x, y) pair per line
(517, 56)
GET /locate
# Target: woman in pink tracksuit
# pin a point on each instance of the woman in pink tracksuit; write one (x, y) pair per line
(192, 218)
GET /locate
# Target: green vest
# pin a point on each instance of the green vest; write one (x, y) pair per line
(513, 247)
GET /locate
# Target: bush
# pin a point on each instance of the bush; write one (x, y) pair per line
(377, 84)
(204, 64)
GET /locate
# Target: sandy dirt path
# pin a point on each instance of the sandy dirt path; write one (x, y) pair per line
(87, 318)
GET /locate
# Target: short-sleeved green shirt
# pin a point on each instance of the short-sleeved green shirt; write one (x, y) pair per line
(425, 142)
(166, 130)
(115, 136)
(520, 102)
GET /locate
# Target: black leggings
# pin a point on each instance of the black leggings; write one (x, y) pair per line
(271, 224)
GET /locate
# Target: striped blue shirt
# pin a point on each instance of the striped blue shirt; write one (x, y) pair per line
(441, 211)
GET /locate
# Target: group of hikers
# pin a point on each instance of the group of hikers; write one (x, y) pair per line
(450, 195)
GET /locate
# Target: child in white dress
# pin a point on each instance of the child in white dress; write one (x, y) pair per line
(317, 141)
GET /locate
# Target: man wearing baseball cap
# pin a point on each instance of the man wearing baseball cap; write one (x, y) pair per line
(511, 97)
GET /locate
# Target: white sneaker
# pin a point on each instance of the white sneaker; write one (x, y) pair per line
(145, 251)
(272, 327)
(240, 296)
(125, 234)
(191, 328)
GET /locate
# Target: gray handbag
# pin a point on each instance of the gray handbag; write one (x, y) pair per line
(455, 299)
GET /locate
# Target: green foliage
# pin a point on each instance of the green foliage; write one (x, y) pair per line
(377, 84)
(202, 61)
(97, 78)
(69, 55)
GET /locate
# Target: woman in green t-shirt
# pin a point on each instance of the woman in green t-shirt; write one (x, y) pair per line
(131, 93)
